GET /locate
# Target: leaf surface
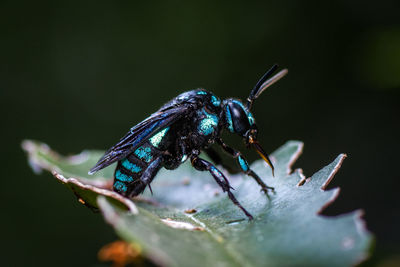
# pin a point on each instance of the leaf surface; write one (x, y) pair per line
(72, 171)
(189, 221)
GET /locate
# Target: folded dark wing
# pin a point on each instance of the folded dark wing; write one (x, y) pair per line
(140, 133)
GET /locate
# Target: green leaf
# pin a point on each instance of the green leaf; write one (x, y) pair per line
(287, 229)
(72, 171)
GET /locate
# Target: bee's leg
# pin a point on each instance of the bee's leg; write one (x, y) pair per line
(203, 165)
(244, 166)
(216, 158)
(147, 177)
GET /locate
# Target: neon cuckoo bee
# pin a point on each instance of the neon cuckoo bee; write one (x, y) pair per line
(181, 129)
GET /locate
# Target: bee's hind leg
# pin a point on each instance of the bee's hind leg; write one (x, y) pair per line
(147, 177)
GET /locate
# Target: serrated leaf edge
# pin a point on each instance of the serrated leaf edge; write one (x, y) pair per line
(104, 192)
(334, 171)
(295, 156)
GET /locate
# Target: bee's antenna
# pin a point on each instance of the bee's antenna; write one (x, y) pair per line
(264, 83)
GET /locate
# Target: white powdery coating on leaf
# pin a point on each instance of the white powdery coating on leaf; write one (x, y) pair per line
(181, 225)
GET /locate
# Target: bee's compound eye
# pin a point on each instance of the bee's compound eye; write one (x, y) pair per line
(240, 120)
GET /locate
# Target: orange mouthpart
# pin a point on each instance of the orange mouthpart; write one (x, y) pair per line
(261, 152)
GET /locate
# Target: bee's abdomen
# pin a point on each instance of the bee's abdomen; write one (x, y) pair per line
(130, 169)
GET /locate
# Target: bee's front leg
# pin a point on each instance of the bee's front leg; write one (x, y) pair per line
(203, 165)
(217, 158)
(244, 166)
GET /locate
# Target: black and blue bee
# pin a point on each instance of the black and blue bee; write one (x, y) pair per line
(181, 129)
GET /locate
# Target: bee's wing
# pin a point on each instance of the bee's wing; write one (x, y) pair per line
(140, 133)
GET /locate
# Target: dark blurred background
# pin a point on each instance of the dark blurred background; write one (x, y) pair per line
(78, 75)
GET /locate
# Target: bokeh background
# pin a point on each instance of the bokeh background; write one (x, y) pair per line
(78, 75)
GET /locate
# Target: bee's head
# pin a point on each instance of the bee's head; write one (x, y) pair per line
(239, 119)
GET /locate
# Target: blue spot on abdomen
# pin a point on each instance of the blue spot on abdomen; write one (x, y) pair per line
(157, 138)
(123, 177)
(120, 187)
(131, 166)
(144, 153)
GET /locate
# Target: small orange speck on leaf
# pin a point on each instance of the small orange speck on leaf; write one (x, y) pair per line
(190, 211)
(120, 253)
(186, 181)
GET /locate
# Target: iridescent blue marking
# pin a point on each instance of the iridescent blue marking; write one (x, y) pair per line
(229, 119)
(119, 186)
(123, 177)
(215, 101)
(239, 103)
(243, 164)
(144, 153)
(184, 158)
(216, 172)
(131, 166)
(208, 124)
(251, 118)
(201, 93)
(157, 138)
